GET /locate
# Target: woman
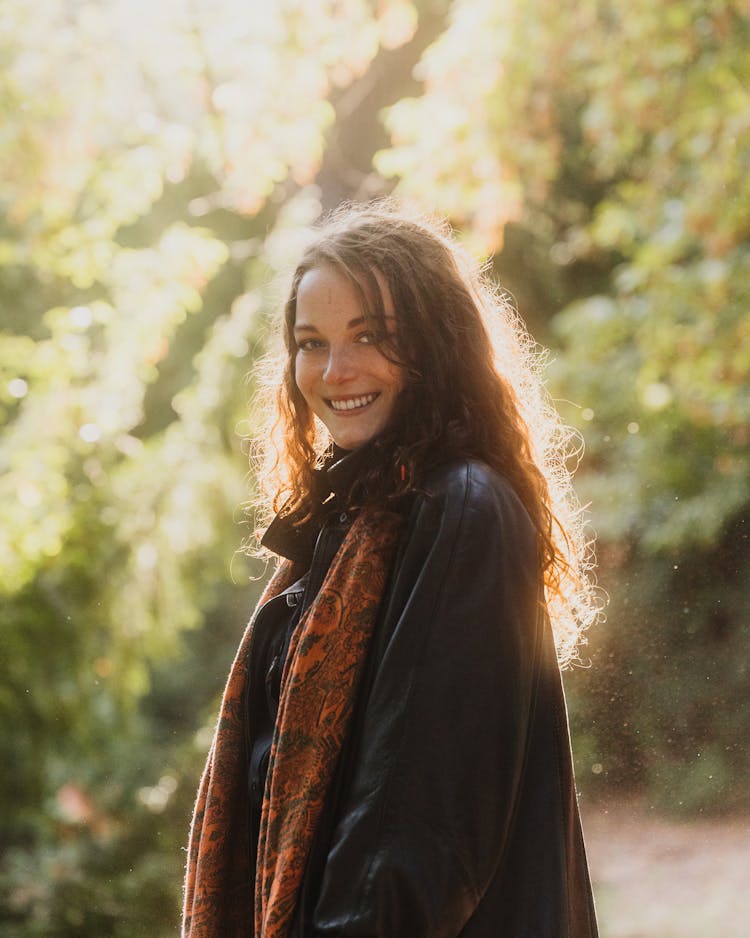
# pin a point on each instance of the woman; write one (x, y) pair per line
(392, 757)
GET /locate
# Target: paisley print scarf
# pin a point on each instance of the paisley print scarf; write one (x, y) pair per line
(318, 689)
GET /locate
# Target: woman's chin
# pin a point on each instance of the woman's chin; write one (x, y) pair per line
(350, 438)
(349, 442)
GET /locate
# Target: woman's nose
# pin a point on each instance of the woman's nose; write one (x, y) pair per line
(339, 366)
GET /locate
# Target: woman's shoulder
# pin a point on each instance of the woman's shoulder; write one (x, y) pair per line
(471, 485)
(466, 502)
(469, 528)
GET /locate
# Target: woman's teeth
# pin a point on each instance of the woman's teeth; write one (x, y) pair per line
(352, 403)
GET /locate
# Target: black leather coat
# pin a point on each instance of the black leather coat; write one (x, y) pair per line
(453, 812)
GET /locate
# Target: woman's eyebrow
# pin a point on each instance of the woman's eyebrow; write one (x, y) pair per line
(352, 324)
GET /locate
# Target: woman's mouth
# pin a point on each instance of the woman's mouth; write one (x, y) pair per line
(346, 404)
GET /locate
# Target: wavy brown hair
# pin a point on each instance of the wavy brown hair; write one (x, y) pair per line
(473, 389)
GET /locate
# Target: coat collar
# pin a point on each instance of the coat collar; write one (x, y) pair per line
(333, 482)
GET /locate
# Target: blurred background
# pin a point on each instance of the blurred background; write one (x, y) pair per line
(160, 164)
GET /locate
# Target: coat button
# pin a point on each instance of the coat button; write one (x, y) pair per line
(343, 517)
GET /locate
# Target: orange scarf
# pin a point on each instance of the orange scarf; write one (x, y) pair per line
(318, 689)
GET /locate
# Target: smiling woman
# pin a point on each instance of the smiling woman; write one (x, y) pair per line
(392, 758)
(340, 370)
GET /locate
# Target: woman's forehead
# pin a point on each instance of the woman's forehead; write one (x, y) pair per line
(326, 287)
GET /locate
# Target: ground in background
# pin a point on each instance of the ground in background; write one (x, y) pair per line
(662, 878)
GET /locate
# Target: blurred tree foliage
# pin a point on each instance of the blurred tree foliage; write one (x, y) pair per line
(159, 166)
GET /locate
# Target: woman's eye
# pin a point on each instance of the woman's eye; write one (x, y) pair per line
(367, 338)
(309, 345)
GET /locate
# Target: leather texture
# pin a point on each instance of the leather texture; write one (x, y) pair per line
(453, 811)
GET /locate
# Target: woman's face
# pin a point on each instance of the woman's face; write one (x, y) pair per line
(342, 375)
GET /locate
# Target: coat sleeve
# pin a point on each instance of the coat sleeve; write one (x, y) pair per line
(437, 753)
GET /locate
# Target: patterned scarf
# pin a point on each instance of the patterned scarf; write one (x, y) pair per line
(318, 688)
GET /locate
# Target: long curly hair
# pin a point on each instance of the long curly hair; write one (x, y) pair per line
(473, 389)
